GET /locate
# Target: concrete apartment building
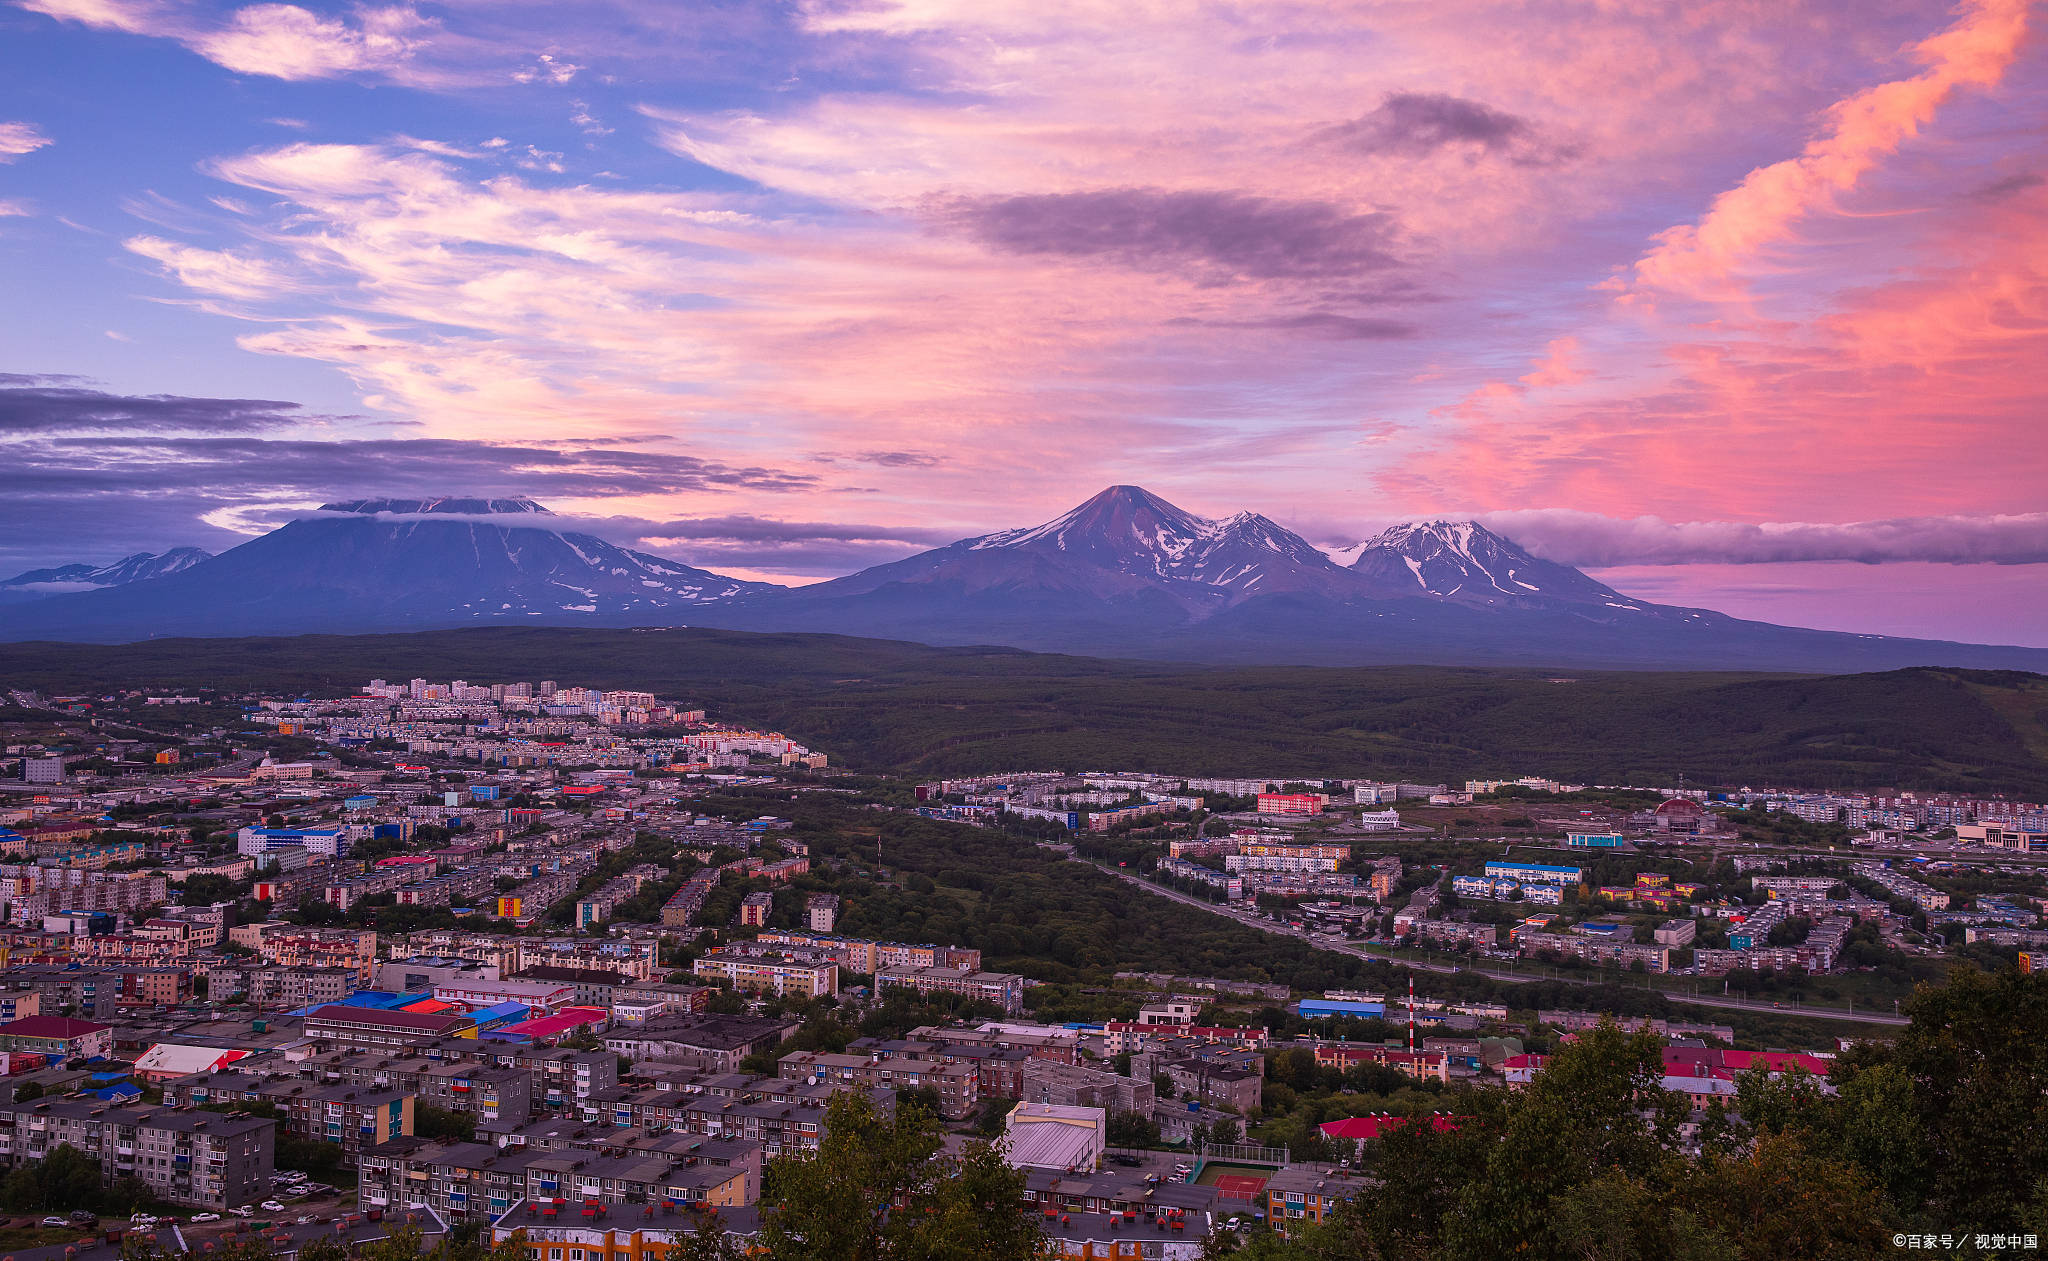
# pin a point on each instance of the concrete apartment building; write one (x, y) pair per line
(857, 954)
(91, 993)
(499, 1098)
(348, 1116)
(269, 984)
(755, 909)
(292, 946)
(958, 1085)
(713, 1042)
(1075, 1086)
(477, 1180)
(197, 1159)
(772, 970)
(1004, 989)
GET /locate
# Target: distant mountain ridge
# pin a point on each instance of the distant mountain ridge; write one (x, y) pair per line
(1124, 574)
(37, 583)
(1128, 574)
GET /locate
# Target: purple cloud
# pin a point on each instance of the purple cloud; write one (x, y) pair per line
(1417, 124)
(32, 403)
(1219, 237)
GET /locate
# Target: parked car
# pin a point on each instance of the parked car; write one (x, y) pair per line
(54, 1220)
(271, 1206)
(307, 1220)
(205, 1217)
(243, 1211)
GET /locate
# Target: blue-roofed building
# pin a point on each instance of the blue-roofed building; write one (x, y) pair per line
(1534, 873)
(500, 1015)
(1593, 840)
(1323, 1008)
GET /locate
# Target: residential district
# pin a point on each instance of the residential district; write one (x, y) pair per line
(506, 954)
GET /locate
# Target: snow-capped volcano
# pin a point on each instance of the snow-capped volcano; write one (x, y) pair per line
(1125, 574)
(389, 563)
(1130, 531)
(1464, 562)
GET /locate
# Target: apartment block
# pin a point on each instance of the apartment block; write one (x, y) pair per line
(775, 970)
(958, 1085)
(1004, 989)
(197, 1159)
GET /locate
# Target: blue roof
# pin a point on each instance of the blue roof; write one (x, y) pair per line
(1349, 1005)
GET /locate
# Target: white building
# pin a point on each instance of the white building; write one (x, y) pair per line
(1051, 1136)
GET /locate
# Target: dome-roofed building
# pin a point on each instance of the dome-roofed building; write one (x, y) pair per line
(1681, 814)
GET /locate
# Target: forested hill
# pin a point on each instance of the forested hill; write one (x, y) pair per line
(886, 705)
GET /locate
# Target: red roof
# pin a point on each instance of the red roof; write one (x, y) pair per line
(50, 1027)
(1374, 1126)
(561, 1022)
(379, 1016)
(1708, 1057)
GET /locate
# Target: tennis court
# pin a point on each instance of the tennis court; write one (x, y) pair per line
(1236, 1182)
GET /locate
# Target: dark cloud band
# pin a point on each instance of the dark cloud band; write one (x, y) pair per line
(1586, 539)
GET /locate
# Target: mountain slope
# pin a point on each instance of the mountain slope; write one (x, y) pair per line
(38, 583)
(1465, 563)
(385, 564)
(1129, 574)
(1125, 574)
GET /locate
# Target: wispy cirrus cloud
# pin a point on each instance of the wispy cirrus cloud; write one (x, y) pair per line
(17, 139)
(281, 41)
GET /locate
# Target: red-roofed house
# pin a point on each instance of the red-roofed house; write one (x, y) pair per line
(1521, 1069)
(59, 1037)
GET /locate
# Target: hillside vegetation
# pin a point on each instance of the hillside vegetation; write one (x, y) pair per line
(886, 705)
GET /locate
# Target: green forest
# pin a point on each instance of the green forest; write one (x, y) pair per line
(880, 705)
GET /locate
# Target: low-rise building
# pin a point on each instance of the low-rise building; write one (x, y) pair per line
(59, 1037)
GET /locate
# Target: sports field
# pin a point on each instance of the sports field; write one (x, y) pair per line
(1240, 1182)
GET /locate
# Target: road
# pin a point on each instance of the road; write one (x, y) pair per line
(1728, 1002)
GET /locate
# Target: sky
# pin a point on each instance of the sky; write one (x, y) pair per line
(1741, 305)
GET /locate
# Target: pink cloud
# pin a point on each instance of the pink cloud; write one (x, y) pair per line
(1701, 259)
(17, 139)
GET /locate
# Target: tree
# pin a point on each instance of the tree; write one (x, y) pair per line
(1966, 1085)
(1599, 1106)
(879, 1187)
(1132, 1129)
(435, 1123)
